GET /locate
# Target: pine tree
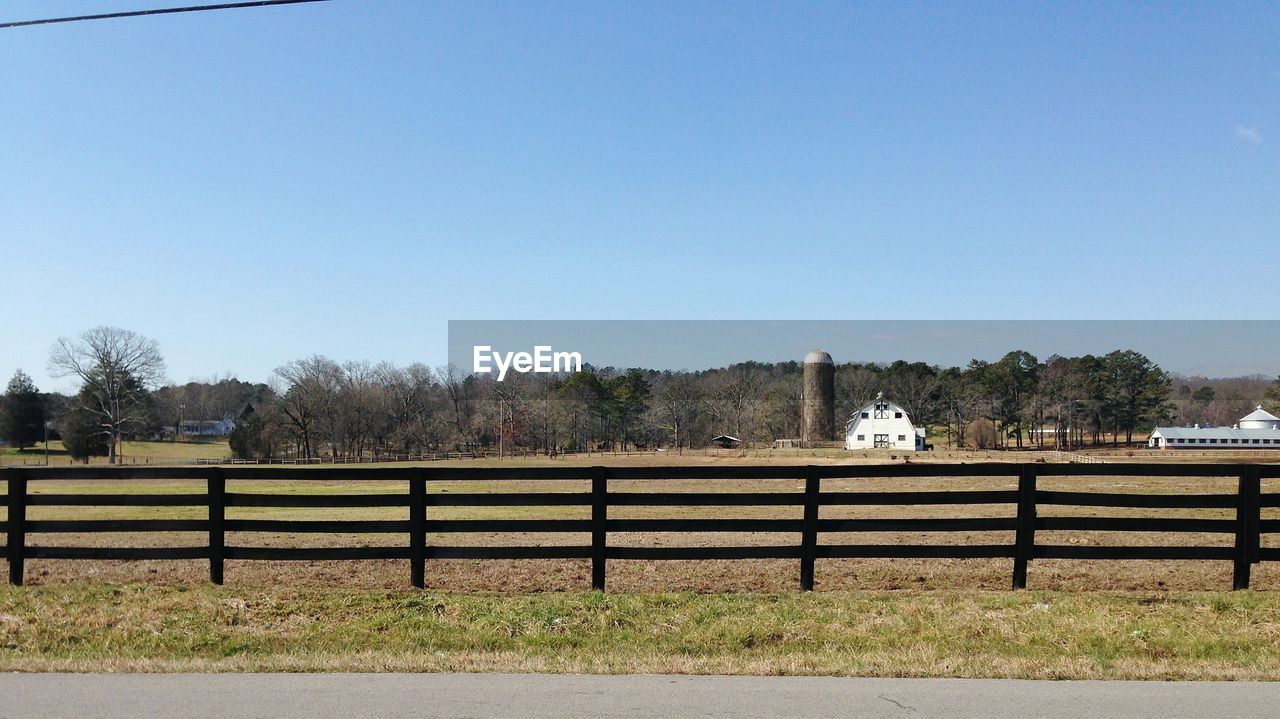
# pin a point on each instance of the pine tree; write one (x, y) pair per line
(22, 412)
(84, 435)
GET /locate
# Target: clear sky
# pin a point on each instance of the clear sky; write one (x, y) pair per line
(253, 186)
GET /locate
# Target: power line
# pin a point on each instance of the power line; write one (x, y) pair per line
(157, 11)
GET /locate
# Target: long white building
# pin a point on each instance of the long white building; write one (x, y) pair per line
(883, 425)
(1257, 430)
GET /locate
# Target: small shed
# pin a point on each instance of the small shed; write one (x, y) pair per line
(724, 441)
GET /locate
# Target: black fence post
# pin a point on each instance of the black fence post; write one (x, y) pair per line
(1026, 535)
(17, 534)
(599, 517)
(809, 535)
(217, 485)
(418, 530)
(1248, 525)
(1255, 514)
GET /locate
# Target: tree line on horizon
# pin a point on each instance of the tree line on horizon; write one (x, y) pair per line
(316, 407)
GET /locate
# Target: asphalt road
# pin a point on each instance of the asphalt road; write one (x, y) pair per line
(34, 696)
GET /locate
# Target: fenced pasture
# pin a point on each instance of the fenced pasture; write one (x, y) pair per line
(214, 453)
(654, 528)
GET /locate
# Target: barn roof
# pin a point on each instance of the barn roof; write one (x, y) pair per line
(1260, 415)
(1214, 433)
(880, 398)
(895, 407)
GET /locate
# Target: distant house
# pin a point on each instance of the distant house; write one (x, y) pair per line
(203, 428)
(724, 441)
(883, 425)
(1257, 430)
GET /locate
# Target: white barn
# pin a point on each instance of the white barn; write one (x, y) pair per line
(1257, 430)
(883, 425)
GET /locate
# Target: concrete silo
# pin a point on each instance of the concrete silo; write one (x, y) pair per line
(818, 415)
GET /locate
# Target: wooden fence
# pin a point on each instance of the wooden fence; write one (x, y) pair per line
(1247, 526)
(372, 459)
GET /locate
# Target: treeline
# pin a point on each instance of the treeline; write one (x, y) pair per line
(1221, 402)
(122, 395)
(317, 407)
(320, 407)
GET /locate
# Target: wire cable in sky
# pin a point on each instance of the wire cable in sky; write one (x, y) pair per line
(156, 11)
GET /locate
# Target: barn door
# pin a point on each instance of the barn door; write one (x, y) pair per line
(881, 440)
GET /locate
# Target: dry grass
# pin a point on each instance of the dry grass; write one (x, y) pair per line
(100, 627)
(130, 453)
(185, 452)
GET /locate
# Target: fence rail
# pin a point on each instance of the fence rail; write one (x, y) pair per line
(371, 459)
(1247, 526)
(1058, 455)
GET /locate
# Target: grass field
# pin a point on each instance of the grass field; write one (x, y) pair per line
(130, 452)
(186, 452)
(100, 627)
(1082, 619)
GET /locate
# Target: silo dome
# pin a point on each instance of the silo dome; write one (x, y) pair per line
(818, 357)
(1259, 419)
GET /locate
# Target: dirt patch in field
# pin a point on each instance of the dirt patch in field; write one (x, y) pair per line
(747, 575)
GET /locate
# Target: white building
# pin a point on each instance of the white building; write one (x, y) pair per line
(883, 425)
(1259, 419)
(1257, 430)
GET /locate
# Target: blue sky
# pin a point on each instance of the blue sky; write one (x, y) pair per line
(254, 186)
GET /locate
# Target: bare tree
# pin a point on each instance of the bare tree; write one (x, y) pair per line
(414, 406)
(456, 386)
(509, 399)
(306, 396)
(785, 399)
(359, 399)
(677, 405)
(913, 386)
(856, 385)
(736, 399)
(116, 367)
